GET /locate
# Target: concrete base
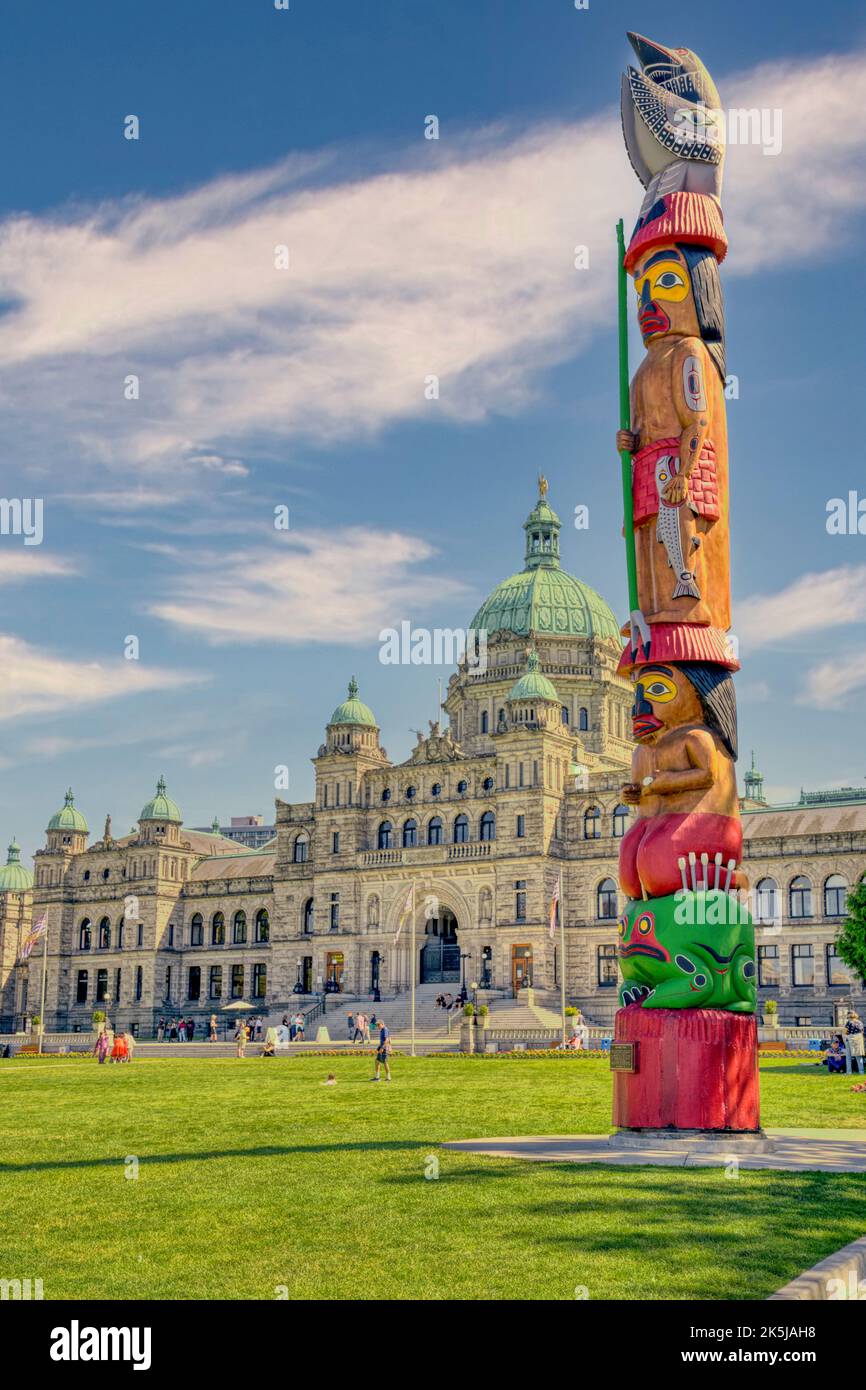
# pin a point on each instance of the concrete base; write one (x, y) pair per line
(715, 1141)
(794, 1150)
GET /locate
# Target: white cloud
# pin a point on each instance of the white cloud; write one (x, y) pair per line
(813, 603)
(828, 684)
(32, 562)
(454, 264)
(35, 682)
(341, 587)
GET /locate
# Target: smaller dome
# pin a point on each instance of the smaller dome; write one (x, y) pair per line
(533, 685)
(14, 877)
(161, 807)
(353, 710)
(68, 818)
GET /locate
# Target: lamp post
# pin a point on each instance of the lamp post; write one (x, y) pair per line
(465, 956)
(297, 987)
(474, 988)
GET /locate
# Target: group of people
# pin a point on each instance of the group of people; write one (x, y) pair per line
(451, 1001)
(844, 1052)
(113, 1047)
(360, 1026)
(175, 1030)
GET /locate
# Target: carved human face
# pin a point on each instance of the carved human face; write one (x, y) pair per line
(664, 699)
(664, 294)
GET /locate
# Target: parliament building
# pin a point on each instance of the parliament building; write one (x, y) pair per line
(517, 791)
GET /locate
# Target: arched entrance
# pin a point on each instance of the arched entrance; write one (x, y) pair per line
(440, 954)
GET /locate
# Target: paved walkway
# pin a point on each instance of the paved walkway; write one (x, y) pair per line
(795, 1150)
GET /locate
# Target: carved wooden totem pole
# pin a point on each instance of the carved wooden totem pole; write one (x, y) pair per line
(686, 941)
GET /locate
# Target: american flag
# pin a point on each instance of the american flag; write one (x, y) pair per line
(554, 911)
(38, 929)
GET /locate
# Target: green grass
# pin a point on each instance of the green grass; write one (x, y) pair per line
(253, 1175)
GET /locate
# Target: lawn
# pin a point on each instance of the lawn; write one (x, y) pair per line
(256, 1181)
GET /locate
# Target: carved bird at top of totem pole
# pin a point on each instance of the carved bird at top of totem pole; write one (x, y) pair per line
(671, 120)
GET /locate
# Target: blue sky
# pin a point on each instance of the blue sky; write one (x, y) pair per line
(304, 387)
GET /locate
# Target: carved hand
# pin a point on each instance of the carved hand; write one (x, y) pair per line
(677, 490)
(631, 793)
(626, 440)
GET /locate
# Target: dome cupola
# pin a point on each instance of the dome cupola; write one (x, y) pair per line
(14, 877)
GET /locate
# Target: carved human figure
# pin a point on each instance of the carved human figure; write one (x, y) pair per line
(684, 782)
(679, 439)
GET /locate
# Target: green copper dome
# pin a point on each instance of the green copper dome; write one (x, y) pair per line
(161, 807)
(68, 818)
(533, 685)
(14, 878)
(543, 598)
(353, 710)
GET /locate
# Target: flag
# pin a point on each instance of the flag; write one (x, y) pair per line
(406, 914)
(36, 931)
(554, 911)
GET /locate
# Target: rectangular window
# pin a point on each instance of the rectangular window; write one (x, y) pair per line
(196, 933)
(120, 926)
(170, 934)
(260, 981)
(168, 982)
(101, 986)
(335, 842)
(193, 986)
(508, 774)
(802, 964)
(325, 795)
(521, 827)
(139, 940)
(337, 794)
(216, 982)
(535, 774)
(117, 980)
(81, 988)
(237, 982)
(520, 774)
(607, 966)
(837, 973)
(520, 899)
(139, 982)
(768, 967)
(335, 912)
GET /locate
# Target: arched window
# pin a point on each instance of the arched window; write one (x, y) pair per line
(488, 826)
(411, 793)
(583, 719)
(564, 714)
(485, 721)
(301, 848)
(461, 830)
(436, 789)
(84, 935)
(800, 897)
(263, 925)
(218, 930)
(606, 906)
(766, 900)
(487, 784)
(120, 927)
(308, 916)
(104, 938)
(385, 833)
(462, 787)
(196, 930)
(620, 820)
(239, 928)
(434, 831)
(410, 833)
(835, 896)
(592, 823)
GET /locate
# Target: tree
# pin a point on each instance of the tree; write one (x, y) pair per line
(851, 937)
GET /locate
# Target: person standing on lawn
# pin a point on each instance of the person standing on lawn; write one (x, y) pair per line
(383, 1052)
(241, 1034)
(854, 1042)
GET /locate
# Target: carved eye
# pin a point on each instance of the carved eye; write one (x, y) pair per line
(669, 279)
(699, 981)
(645, 924)
(623, 925)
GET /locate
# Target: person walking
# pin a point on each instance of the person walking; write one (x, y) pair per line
(212, 1028)
(241, 1034)
(383, 1053)
(299, 1028)
(366, 1028)
(119, 1050)
(350, 1018)
(358, 1035)
(130, 1045)
(160, 1030)
(854, 1041)
(102, 1047)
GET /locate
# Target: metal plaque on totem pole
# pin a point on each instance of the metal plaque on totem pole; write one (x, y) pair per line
(623, 1056)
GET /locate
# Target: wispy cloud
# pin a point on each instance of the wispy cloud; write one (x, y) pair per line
(457, 263)
(18, 566)
(812, 603)
(341, 587)
(35, 682)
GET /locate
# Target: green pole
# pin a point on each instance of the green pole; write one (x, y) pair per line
(640, 633)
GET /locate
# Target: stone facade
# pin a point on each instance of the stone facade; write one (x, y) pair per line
(519, 792)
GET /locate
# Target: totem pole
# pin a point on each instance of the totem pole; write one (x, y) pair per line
(685, 1036)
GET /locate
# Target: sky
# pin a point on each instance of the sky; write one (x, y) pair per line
(295, 379)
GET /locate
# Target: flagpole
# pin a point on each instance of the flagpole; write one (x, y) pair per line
(42, 991)
(413, 967)
(561, 954)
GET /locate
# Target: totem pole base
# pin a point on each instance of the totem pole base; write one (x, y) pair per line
(685, 1070)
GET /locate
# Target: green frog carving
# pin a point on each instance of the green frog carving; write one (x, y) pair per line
(688, 950)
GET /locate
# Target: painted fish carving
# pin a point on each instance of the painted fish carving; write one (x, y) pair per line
(668, 531)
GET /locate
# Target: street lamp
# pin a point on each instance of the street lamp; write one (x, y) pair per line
(297, 987)
(474, 988)
(465, 956)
